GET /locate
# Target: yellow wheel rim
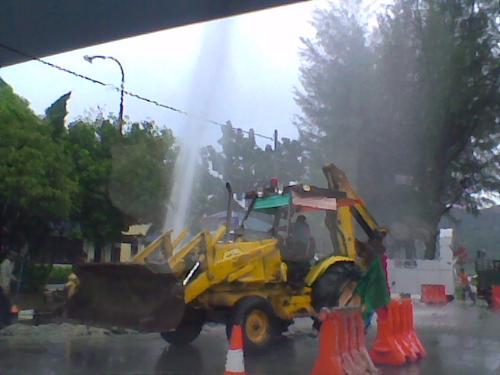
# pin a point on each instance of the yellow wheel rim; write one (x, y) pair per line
(257, 326)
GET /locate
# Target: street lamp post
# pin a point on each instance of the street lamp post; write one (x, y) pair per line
(122, 87)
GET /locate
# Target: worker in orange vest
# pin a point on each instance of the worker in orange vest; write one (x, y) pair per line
(466, 287)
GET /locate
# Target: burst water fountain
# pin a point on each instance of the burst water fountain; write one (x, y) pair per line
(208, 72)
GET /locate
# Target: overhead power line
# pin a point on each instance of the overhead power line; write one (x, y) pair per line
(126, 92)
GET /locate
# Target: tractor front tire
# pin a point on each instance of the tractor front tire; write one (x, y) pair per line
(258, 322)
(188, 330)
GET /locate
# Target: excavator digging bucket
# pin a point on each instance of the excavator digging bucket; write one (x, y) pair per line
(144, 297)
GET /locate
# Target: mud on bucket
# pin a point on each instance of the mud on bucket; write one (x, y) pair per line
(135, 296)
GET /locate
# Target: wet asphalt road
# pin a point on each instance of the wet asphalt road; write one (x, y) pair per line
(460, 339)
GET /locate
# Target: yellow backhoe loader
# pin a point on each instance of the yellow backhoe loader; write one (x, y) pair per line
(240, 276)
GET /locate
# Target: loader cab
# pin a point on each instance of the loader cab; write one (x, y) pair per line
(284, 211)
(282, 206)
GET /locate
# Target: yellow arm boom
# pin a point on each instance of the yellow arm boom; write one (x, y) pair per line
(165, 240)
(338, 180)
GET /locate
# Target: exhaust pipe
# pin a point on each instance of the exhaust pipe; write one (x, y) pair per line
(229, 212)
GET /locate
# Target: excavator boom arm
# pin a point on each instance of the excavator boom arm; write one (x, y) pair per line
(338, 180)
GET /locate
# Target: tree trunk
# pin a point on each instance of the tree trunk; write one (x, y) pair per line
(430, 244)
(432, 219)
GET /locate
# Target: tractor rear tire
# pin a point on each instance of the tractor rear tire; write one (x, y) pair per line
(258, 322)
(188, 330)
(329, 290)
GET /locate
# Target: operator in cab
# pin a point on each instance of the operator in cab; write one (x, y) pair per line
(300, 251)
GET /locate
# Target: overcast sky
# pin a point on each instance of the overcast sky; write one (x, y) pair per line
(241, 69)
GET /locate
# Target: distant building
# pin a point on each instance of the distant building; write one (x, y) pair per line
(133, 241)
(408, 275)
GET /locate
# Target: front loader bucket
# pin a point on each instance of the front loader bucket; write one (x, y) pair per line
(137, 296)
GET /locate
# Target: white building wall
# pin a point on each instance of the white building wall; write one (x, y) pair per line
(125, 252)
(407, 276)
(88, 247)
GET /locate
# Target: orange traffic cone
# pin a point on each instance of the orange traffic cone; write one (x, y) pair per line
(354, 344)
(386, 350)
(411, 325)
(396, 312)
(495, 297)
(235, 364)
(328, 362)
(406, 329)
(348, 363)
(360, 334)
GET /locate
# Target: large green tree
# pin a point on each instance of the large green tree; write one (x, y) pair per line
(143, 164)
(123, 180)
(409, 109)
(247, 165)
(83, 179)
(241, 161)
(36, 186)
(89, 145)
(337, 92)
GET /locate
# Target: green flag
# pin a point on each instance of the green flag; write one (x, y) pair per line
(373, 288)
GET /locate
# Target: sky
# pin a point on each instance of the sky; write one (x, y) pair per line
(255, 57)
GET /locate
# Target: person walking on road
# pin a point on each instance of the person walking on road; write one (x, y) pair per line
(466, 287)
(6, 279)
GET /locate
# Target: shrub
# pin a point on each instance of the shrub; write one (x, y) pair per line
(35, 277)
(59, 275)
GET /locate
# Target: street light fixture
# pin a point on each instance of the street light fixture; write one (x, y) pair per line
(122, 88)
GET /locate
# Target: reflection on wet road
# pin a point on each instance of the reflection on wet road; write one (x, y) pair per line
(460, 340)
